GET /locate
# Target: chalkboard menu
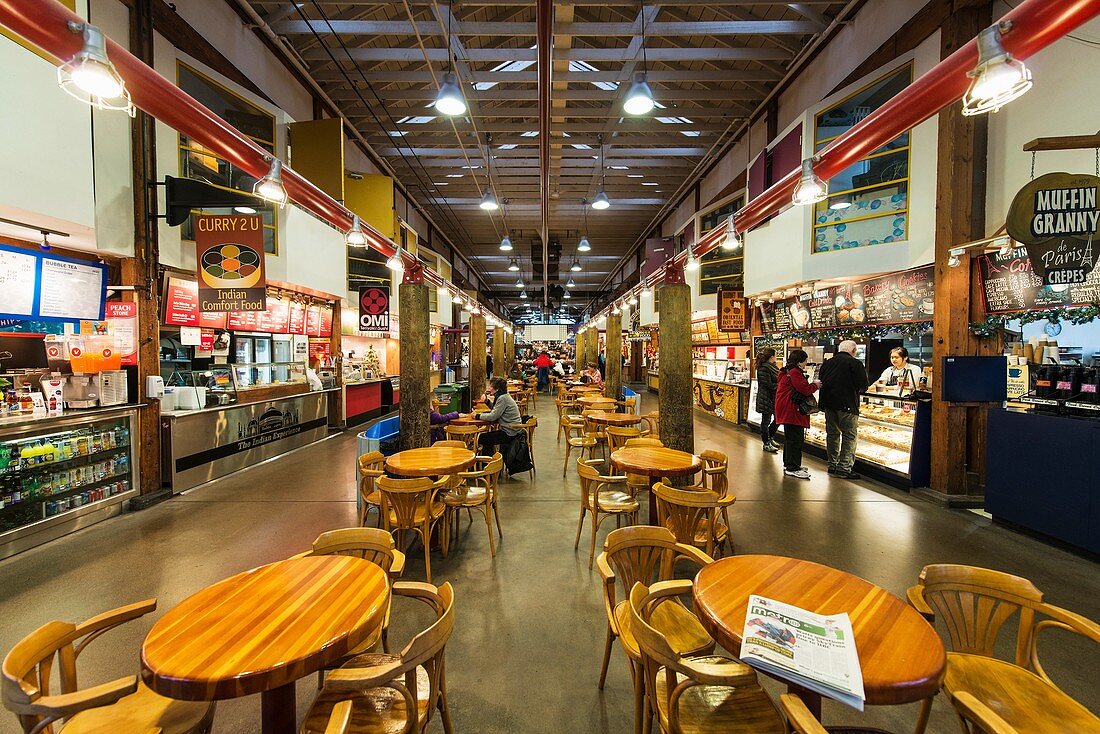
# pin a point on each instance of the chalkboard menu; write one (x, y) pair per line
(900, 298)
(1009, 283)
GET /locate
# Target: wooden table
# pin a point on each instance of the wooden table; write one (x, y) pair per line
(583, 389)
(902, 658)
(432, 461)
(593, 399)
(261, 630)
(471, 421)
(655, 462)
(609, 418)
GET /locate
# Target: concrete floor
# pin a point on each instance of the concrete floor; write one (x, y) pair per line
(526, 650)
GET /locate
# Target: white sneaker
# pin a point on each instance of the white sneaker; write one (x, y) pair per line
(799, 473)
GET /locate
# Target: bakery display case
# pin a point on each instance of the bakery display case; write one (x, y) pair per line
(894, 438)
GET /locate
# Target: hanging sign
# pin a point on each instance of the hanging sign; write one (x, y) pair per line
(1057, 218)
(229, 250)
(123, 319)
(732, 310)
(36, 286)
(374, 308)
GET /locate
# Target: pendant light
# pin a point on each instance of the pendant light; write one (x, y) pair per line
(576, 266)
(519, 282)
(523, 294)
(632, 300)
(506, 244)
(810, 189)
(271, 187)
(998, 78)
(570, 283)
(601, 201)
(355, 236)
(731, 242)
(449, 100)
(647, 292)
(395, 263)
(584, 245)
(91, 77)
(567, 294)
(488, 199)
(840, 202)
(440, 292)
(691, 264)
(514, 265)
(639, 99)
(457, 299)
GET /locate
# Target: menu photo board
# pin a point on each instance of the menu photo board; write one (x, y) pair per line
(40, 286)
(229, 250)
(732, 310)
(181, 306)
(1010, 284)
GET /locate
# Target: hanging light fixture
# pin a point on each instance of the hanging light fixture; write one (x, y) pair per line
(457, 299)
(519, 282)
(570, 283)
(810, 189)
(514, 265)
(523, 294)
(271, 187)
(632, 300)
(584, 245)
(567, 294)
(691, 264)
(998, 78)
(576, 266)
(601, 201)
(489, 200)
(395, 263)
(731, 242)
(506, 244)
(1006, 248)
(355, 236)
(615, 309)
(449, 100)
(953, 260)
(840, 202)
(441, 291)
(639, 99)
(91, 77)
(647, 292)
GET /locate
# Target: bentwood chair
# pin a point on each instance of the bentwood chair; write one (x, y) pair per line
(576, 437)
(643, 441)
(477, 489)
(394, 693)
(529, 427)
(450, 443)
(644, 554)
(371, 466)
(693, 515)
(469, 435)
(123, 705)
(412, 505)
(565, 415)
(651, 424)
(715, 477)
(377, 547)
(617, 436)
(974, 605)
(602, 497)
(708, 693)
(340, 719)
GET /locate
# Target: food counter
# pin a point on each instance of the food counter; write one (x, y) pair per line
(725, 400)
(366, 399)
(653, 380)
(894, 443)
(200, 445)
(62, 473)
(1043, 474)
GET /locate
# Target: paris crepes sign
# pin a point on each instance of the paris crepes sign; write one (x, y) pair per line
(1057, 218)
(374, 308)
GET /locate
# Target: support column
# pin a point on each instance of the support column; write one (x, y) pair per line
(592, 347)
(509, 350)
(477, 359)
(674, 343)
(613, 353)
(500, 358)
(415, 356)
(578, 350)
(958, 431)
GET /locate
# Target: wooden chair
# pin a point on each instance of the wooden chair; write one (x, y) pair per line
(974, 604)
(644, 554)
(477, 490)
(651, 424)
(576, 437)
(450, 444)
(603, 497)
(717, 694)
(340, 719)
(643, 441)
(693, 516)
(565, 415)
(980, 718)
(529, 427)
(384, 690)
(371, 466)
(715, 477)
(122, 705)
(412, 505)
(617, 436)
(469, 435)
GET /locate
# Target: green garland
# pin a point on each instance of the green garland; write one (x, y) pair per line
(869, 331)
(994, 323)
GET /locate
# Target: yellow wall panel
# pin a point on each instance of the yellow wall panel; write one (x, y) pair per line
(371, 197)
(317, 152)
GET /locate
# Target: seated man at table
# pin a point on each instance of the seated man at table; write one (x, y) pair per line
(592, 375)
(505, 414)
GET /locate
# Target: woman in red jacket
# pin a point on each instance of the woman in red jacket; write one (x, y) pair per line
(792, 381)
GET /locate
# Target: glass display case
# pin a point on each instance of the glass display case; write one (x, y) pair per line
(248, 375)
(54, 469)
(885, 431)
(195, 389)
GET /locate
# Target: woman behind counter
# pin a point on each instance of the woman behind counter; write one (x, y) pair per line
(900, 374)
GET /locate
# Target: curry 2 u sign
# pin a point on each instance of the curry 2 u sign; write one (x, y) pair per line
(374, 308)
(1057, 218)
(229, 253)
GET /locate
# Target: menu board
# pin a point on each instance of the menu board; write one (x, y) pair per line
(41, 286)
(276, 320)
(1009, 283)
(900, 298)
(181, 306)
(297, 318)
(313, 321)
(245, 320)
(326, 321)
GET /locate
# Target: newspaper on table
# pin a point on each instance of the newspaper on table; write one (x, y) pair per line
(815, 651)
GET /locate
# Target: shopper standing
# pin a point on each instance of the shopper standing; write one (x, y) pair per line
(543, 364)
(843, 378)
(792, 389)
(767, 377)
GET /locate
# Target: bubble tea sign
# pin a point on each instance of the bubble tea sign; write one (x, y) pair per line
(229, 256)
(1057, 218)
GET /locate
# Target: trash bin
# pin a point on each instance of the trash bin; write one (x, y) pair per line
(449, 397)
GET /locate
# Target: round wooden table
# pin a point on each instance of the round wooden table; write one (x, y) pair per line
(432, 461)
(902, 658)
(655, 462)
(471, 421)
(609, 418)
(261, 630)
(583, 389)
(593, 399)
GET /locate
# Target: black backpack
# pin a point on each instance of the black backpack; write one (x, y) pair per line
(517, 457)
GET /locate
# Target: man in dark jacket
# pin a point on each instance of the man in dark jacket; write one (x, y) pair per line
(843, 378)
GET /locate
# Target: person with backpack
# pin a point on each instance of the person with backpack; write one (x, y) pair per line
(792, 393)
(843, 378)
(505, 413)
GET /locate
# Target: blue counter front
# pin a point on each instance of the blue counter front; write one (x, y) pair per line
(1043, 474)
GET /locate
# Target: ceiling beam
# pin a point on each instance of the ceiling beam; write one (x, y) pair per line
(384, 76)
(612, 154)
(521, 29)
(709, 95)
(498, 55)
(629, 126)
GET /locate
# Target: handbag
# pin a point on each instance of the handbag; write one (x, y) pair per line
(806, 404)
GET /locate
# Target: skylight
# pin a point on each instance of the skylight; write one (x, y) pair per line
(506, 66)
(585, 66)
(680, 121)
(578, 146)
(507, 146)
(418, 120)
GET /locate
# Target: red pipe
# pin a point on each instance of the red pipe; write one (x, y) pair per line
(544, 16)
(45, 24)
(1035, 25)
